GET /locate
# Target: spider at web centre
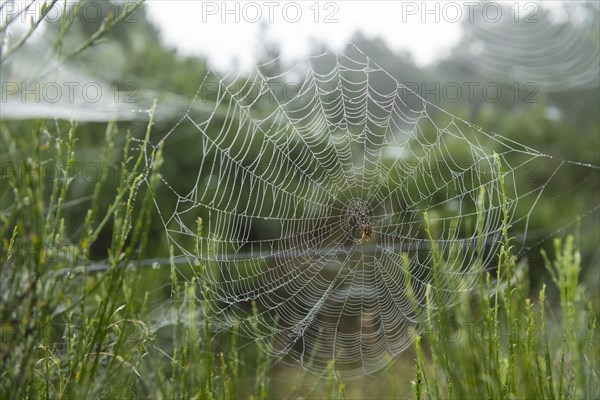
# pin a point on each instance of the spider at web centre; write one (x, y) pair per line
(358, 222)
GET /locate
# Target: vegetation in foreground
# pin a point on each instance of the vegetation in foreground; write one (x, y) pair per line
(68, 332)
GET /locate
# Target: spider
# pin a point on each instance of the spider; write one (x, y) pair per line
(366, 232)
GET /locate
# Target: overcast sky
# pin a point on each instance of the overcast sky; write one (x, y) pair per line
(206, 28)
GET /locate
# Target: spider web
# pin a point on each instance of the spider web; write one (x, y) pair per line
(555, 51)
(327, 199)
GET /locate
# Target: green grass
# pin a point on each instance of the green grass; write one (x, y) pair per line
(501, 343)
(68, 333)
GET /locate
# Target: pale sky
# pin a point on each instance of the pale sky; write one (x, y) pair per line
(196, 27)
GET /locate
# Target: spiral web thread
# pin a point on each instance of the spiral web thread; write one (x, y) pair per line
(556, 55)
(313, 187)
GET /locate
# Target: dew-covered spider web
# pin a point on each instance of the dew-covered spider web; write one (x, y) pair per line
(327, 198)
